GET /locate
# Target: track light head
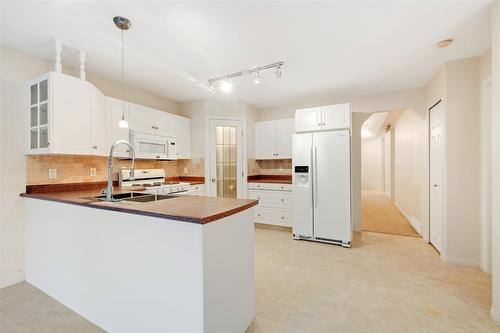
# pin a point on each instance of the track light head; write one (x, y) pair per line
(256, 80)
(226, 86)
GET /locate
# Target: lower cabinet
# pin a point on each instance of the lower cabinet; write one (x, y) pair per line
(275, 203)
(198, 189)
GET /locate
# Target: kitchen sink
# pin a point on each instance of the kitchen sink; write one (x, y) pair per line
(122, 196)
(137, 197)
(151, 197)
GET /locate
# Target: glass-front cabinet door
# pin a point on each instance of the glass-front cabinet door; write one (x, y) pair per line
(39, 115)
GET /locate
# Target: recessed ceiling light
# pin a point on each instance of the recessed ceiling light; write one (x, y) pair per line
(444, 43)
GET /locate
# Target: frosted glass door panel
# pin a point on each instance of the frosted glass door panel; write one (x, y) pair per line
(226, 161)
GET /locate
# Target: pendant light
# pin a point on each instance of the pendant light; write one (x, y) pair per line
(122, 23)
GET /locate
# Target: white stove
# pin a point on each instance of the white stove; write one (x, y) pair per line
(153, 180)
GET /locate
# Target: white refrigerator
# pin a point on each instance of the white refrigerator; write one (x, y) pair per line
(322, 187)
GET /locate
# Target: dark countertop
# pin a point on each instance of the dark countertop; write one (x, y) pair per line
(271, 179)
(186, 208)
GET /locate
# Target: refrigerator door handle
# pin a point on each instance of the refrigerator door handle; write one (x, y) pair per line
(311, 179)
(315, 175)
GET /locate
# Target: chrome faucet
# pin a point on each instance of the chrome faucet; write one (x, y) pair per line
(109, 189)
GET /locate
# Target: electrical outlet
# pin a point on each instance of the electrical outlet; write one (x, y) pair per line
(185, 171)
(52, 173)
(93, 172)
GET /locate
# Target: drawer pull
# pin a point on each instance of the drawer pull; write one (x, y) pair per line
(258, 215)
(282, 200)
(282, 217)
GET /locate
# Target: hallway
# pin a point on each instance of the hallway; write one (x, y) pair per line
(379, 214)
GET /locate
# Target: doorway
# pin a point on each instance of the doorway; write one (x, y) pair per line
(435, 174)
(226, 147)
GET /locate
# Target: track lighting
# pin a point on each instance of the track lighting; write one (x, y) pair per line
(256, 80)
(278, 71)
(226, 86)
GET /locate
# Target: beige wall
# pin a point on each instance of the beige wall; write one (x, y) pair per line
(372, 177)
(485, 65)
(411, 168)
(495, 19)
(16, 68)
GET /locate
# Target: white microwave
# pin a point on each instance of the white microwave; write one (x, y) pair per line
(151, 146)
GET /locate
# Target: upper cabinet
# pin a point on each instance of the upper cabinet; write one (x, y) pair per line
(59, 108)
(98, 123)
(148, 120)
(273, 139)
(115, 109)
(182, 132)
(68, 115)
(323, 118)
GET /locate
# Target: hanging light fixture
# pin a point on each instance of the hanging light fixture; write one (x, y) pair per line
(122, 23)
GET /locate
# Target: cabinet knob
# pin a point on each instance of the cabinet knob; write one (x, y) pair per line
(47, 143)
(94, 147)
(282, 217)
(152, 127)
(258, 198)
(258, 214)
(282, 200)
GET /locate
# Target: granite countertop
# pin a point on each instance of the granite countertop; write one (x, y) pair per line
(186, 208)
(271, 179)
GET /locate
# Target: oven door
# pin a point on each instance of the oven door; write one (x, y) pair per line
(148, 146)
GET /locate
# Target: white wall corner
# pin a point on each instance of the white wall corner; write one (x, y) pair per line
(414, 221)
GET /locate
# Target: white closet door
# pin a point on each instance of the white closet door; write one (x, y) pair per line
(332, 189)
(436, 161)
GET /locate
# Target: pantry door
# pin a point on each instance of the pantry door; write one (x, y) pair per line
(435, 174)
(226, 158)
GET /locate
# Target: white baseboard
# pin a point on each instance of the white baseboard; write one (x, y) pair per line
(459, 260)
(414, 221)
(495, 314)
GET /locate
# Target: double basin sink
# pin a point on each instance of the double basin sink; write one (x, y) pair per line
(137, 197)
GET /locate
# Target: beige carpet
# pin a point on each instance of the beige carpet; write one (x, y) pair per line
(381, 215)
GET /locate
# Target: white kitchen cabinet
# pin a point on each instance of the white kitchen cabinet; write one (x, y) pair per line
(98, 123)
(308, 119)
(273, 139)
(164, 123)
(275, 203)
(330, 117)
(59, 109)
(336, 116)
(265, 140)
(151, 121)
(182, 133)
(285, 131)
(114, 110)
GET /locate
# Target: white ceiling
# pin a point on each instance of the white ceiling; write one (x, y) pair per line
(173, 48)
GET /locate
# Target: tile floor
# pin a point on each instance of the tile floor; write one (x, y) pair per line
(385, 283)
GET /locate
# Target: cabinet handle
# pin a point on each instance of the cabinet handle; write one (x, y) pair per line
(152, 127)
(282, 217)
(258, 215)
(282, 200)
(157, 156)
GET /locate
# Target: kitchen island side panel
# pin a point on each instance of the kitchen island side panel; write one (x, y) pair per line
(123, 272)
(229, 273)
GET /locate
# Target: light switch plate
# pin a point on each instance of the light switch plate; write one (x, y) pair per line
(93, 172)
(52, 173)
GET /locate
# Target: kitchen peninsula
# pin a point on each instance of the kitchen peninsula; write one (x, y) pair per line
(181, 264)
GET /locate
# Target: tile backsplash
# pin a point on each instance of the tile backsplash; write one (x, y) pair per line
(269, 167)
(77, 168)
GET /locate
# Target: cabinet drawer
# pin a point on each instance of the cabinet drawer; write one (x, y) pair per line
(275, 217)
(278, 199)
(270, 186)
